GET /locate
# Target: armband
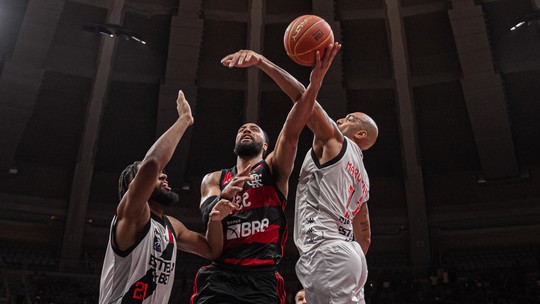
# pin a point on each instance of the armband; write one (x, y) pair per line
(227, 199)
(207, 206)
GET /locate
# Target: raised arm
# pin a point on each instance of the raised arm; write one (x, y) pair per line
(133, 211)
(284, 154)
(319, 122)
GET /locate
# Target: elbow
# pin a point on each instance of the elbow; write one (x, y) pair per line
(213, 255)
(365, 243)
(149, 164)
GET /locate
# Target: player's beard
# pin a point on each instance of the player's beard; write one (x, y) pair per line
(164, 197)
(248, 149)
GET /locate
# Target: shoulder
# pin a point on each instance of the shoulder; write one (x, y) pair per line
(178, 226)
(268, 165)
(330, 149)
(352, 146)
(212, 178)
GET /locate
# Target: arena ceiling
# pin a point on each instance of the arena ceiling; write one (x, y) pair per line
(454, 91)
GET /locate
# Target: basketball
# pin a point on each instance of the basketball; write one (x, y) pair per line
(305, 36)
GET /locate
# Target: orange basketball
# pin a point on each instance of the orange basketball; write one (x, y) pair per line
(305, 36)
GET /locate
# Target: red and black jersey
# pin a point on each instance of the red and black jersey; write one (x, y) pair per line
(255, 233)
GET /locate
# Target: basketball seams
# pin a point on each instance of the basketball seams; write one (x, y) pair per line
(308, 63)
(307, 31)
(303, 36)
(315, 48)
(288, 38)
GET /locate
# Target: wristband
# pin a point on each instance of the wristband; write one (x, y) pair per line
(227, 199)
(206, 207)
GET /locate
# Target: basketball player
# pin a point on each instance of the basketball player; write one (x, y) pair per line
(331, 209)
(246, 271)
(141, 254)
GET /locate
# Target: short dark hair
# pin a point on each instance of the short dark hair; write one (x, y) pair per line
(126, 177)
(266, 137)
(266, 141)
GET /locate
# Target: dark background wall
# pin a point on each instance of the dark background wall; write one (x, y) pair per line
(454, 91)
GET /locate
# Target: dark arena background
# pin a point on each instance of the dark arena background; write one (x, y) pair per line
(86, 86)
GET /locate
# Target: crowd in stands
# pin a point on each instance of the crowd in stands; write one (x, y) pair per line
(487, 276)
(508, 286)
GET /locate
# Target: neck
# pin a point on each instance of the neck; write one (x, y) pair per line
(243, 162)
(156, 208)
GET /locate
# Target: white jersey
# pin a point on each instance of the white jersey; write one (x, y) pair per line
(143, 273)
(328, 197)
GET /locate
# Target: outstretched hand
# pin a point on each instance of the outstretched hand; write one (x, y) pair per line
(322, 65)
(183, 108)
(236, 184)
(222, 209)
(241, 59)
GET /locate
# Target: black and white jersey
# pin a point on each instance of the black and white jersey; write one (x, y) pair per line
(143, 273)
(328, 197)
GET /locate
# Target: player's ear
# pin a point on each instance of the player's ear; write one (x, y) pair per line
(360, 135)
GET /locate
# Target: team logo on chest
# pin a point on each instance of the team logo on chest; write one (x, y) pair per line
(256, 180)
(157, 241)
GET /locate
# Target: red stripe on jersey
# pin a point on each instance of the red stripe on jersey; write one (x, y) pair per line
(227, 178)
(171, 237)
(249, 262)
(195, 285)
(270, 235)
(280, 288)
(284, 239)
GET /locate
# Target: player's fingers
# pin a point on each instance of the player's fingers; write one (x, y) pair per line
(225, 207)
(245, 171)
(317, 59)
(236, 188)
(243, 178)
(242, 58)
(226, 58)
(234, 59)
(179, 98)
(240, 181)
(330, 52)
(335, 50)
(232, 205)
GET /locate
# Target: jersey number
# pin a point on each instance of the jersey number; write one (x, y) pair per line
(140, 291)
(351, 192)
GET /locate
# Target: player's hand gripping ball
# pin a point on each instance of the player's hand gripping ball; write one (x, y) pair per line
(305, 36)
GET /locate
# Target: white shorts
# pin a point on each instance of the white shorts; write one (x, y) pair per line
(334, 272)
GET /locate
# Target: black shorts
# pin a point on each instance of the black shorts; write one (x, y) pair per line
(216, 285)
